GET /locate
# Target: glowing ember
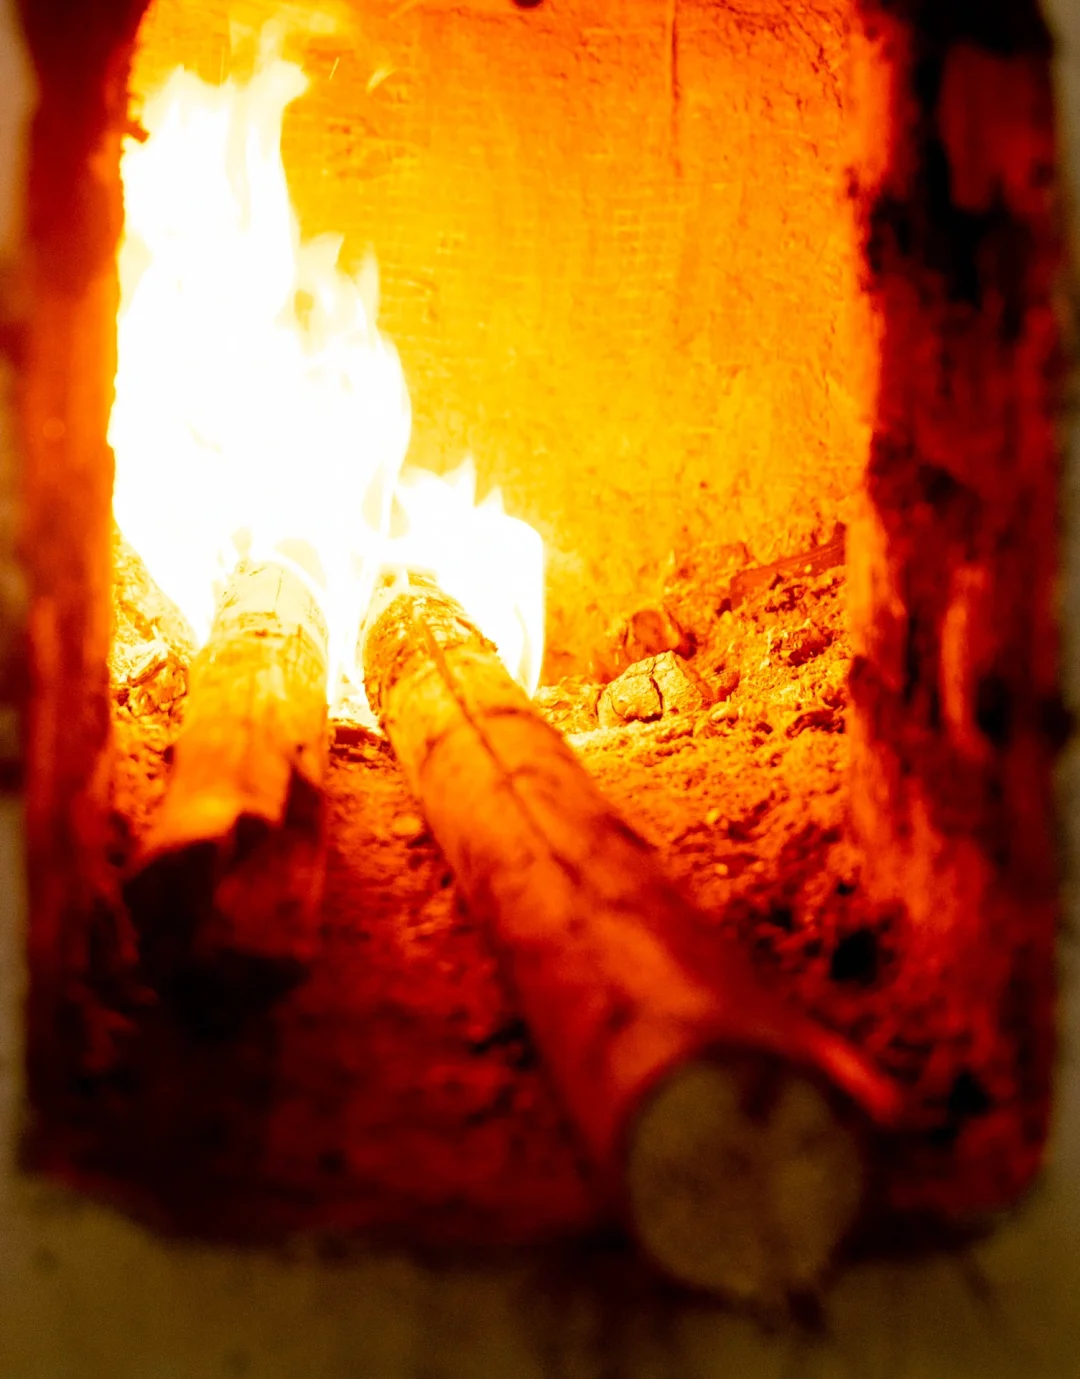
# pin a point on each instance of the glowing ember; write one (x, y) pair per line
(258, 409)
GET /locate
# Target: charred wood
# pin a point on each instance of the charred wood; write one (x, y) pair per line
(752, 581)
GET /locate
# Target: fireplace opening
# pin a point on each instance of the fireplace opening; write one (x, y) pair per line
(666, 840)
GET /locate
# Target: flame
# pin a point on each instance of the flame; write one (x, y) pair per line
(258, 409)
(491, 563)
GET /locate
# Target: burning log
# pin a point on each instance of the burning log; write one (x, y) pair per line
(225, 890)
(732, 1130)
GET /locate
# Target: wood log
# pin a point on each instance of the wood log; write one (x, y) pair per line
(225, 890)
(142, 612)
(732, 1131)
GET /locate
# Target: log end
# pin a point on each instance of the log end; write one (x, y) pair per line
(743, 1179)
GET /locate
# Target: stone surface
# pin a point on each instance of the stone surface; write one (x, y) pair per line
(651, 689)
(646, 632)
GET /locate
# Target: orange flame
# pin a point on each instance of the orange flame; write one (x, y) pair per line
(258, 408)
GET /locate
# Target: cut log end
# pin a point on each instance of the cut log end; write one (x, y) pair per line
(742, 1179)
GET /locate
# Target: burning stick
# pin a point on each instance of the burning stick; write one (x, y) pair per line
(225, 891)
(731, 1126)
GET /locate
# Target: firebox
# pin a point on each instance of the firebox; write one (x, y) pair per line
(540, 534)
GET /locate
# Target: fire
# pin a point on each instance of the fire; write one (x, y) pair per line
(491, 563)
(258, 408)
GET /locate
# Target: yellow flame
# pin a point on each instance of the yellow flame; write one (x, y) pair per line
(258, 409)
(491, 563)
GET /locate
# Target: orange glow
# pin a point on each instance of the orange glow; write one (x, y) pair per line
(258, 408)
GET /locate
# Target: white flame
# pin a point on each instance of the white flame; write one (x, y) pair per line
(491, 563)
(258, 408)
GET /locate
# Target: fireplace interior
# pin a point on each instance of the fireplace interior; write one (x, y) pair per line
(749, 312)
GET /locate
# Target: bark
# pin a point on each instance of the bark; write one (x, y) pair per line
(730, 1129)
(225, 892)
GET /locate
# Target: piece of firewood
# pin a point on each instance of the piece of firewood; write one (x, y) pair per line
(142, 612)
(225, 889)
(732, 1130)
